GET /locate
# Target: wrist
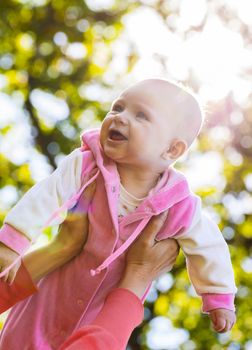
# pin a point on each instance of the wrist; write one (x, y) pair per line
(134, 281)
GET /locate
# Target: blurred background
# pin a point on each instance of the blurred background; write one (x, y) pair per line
(61, 65)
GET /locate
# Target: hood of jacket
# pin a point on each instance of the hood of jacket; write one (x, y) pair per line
(172, 185)
(171, 193)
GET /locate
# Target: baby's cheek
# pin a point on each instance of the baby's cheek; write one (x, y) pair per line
(104, 128)
(102, 136)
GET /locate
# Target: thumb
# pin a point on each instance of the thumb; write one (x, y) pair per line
(81, 209)
(86, 198)
(90, 191)
(155, 224)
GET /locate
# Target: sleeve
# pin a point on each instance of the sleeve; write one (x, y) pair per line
(208, 263)
(112, 327)
(25, 220)
(21, 288)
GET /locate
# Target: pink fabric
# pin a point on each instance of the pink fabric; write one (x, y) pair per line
(112, 327)
(121, 249)
(217, 301)
(70, 298)
(180, 214)
(91, 338)
(13, 239)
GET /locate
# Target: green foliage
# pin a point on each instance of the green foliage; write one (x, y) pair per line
(35, 37)
(35, 49)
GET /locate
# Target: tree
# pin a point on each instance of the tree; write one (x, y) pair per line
(60, 52)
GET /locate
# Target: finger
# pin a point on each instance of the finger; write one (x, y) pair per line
(154, 226)
(224, 330)
(171, 244)
(5, 277)
(85, 200)
(12, 275)
(171, 263)
(213, 318)
(90, 191)
(220, 325)
(227, 327)
(167, 268)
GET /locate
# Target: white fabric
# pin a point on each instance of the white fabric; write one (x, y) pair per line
(37, 205)
(127, 202)
(207, 256)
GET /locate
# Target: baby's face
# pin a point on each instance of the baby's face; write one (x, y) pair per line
(138, 128)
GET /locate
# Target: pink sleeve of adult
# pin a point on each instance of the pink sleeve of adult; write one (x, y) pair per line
(14, 239)
(121, 313)
(21, 288)
(212, 301)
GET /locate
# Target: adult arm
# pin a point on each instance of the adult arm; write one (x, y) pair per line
(112, 327)
(67, 244)
(34, 266)
(145, 261)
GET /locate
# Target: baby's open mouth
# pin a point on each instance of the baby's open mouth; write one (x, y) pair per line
(116, 135)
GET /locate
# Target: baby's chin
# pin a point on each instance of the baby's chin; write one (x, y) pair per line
(109, 153)
(115, 157)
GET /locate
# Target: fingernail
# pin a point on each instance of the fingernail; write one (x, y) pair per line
(163, 215)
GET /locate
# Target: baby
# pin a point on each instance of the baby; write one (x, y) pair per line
(148, 128)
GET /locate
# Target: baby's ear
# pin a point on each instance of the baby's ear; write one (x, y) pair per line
(176, 149)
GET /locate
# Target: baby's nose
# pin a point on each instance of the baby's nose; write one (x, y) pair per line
(121, 118)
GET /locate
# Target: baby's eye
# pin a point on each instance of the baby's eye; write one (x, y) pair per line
(117, 108)
(141, 115)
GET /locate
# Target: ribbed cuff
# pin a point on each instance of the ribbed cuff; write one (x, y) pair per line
(217, 301)
(14, 239)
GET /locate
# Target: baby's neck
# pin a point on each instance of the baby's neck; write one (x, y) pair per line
(137, 182)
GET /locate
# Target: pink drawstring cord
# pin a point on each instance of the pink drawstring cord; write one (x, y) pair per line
(120, 250)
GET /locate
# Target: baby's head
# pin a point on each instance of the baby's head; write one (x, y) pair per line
(151, 124)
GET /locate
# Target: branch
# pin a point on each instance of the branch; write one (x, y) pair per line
(41, 139)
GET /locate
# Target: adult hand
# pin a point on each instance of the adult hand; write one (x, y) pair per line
(7, 257)
(147, 258)
(73, 231)
(68, 242)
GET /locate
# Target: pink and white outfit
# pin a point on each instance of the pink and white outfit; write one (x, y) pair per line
(73, 295)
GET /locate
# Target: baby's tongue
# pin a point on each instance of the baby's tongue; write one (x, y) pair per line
(117, 136)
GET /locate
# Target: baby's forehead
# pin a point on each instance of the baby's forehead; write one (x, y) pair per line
(158, 95)
(157, 89)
